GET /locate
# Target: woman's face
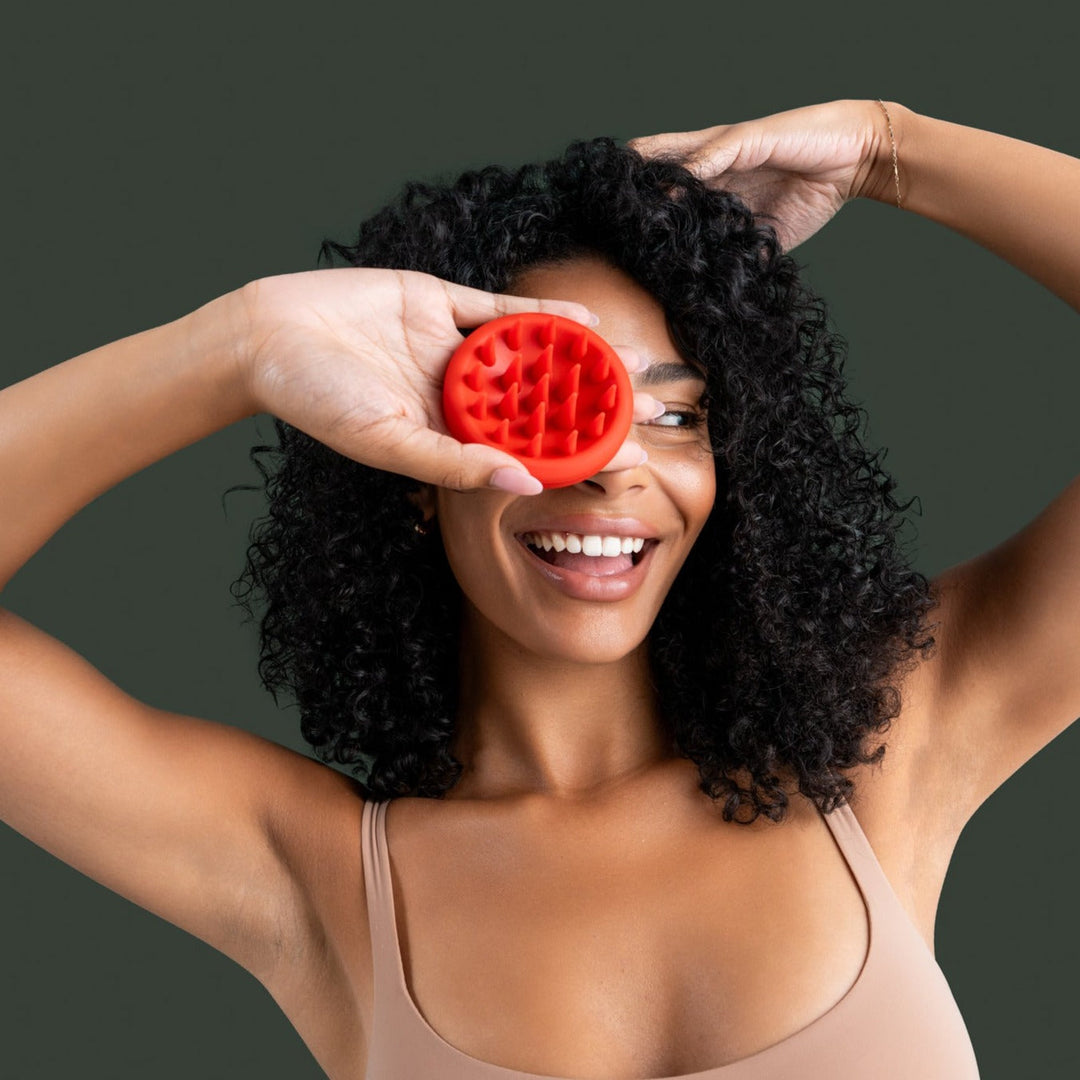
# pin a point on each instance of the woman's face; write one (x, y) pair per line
(550, 612)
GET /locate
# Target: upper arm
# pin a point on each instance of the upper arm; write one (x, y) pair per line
(1009, 677)
(190, 819)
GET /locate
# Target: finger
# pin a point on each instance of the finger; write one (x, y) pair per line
(632, 360)
(709, 160)
(472, 307)
(678, 144)
(629, 455)
(646, 407)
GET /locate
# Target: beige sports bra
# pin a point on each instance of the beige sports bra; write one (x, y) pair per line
(899, 1021)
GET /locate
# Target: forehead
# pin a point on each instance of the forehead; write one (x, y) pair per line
(629, 314)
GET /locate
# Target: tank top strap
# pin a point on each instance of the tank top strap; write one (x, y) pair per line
(887, 914)
(403, 1046)
(389, 987)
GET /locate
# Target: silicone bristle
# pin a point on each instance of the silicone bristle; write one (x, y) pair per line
(595, 427)
(565, 416)
(600, 370)
(512, 374)
(538, 396)
(501, 432)
(474, 377)
(513, 335)
(547, 332)
(535, 445)
(544, 364)
(580, 346)
(486, 351)
(478, 409)
(508, 406)
(570, 382)
(607, 398)
(537, 422)
(570, 443)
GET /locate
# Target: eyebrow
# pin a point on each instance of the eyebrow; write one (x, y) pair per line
(667, 371)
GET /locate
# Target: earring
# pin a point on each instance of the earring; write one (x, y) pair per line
(420, 527)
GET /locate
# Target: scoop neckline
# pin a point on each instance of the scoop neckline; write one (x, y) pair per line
(728, 1070)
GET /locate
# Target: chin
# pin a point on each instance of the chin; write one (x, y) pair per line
(591, 641)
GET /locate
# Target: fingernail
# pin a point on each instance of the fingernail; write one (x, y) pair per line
(661, 408)
(594, 319)
(515, 481)
(644, 456)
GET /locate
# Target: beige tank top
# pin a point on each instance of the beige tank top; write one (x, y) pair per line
(899, 1021)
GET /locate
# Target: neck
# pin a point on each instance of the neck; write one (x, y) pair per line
(547, 725)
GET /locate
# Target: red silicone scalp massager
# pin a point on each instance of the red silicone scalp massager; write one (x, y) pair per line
(543, 388)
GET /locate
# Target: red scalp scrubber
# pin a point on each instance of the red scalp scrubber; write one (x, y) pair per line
(543, 388)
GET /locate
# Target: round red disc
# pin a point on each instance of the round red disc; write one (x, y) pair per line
(543, 388)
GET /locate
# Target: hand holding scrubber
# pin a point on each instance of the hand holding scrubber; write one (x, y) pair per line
(544, 389)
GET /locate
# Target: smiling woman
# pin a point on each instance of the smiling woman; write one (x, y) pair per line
(592, 757)
(611, 741)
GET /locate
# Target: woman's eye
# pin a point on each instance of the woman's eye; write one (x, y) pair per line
(687, 418)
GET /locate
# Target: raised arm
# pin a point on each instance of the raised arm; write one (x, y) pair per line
(1010, 659)
(169, 811)
(1006, 680)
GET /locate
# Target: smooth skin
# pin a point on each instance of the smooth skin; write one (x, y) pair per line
(252, 847)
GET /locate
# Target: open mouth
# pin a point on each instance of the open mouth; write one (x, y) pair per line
(590, 577)
(599, 565)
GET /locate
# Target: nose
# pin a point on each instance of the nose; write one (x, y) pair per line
(615, 481)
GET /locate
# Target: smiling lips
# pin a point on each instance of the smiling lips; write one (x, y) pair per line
(591, 556)
(591, 577)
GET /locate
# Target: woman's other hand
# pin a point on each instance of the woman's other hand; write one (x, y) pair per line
(355, 357)
(794, 168)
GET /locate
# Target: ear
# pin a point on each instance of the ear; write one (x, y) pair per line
(424, 499)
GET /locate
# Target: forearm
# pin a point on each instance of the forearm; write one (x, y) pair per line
(73, 431)
(1017, 199)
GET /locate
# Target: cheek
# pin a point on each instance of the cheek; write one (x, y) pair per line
(470, 562)
(693, 478)
(468, 522)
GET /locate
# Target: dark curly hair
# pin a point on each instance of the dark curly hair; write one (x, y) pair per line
(773, 647)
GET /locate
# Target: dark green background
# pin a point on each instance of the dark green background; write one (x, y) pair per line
(155, 156)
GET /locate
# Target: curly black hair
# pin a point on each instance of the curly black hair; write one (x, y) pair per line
(775, 646)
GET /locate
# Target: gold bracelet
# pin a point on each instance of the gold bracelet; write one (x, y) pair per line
(892, 142)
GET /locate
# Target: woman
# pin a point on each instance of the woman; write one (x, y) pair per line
(650, 827)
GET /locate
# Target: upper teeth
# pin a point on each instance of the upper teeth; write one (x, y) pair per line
(587, 545)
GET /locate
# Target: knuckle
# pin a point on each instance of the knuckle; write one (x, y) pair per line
(456, 473)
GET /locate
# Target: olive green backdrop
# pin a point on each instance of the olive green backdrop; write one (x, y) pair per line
(158, 155)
